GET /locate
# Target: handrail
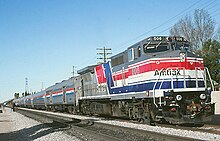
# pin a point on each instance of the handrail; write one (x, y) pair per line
(154, 99)
(184, 74)
(184, 77)
(197, 85)
(213, 88)
(159, 89)
(204, 76)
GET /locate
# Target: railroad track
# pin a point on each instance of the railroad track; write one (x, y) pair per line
(207, 128)
(74, 127)
(90, 129)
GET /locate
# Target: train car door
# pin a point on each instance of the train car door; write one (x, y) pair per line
(45, 99)
(64, 94)
(51, 97)
(82, 87)
(32, 100)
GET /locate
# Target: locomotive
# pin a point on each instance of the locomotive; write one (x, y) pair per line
(155, 80)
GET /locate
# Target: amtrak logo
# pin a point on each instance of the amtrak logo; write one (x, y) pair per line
(168, 72)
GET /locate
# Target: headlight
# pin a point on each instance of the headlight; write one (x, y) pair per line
(202, 96)
(179, 97)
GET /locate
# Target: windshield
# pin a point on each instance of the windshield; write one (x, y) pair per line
(159, 44)
(180, 45)
(155, 48)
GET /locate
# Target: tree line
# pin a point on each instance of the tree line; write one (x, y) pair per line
(201, 31)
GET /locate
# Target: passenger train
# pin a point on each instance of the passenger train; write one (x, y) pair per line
(155, 80)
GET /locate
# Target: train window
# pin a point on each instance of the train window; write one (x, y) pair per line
(180, 46)
(131, 54)
(155, 48)
(137, 52)
(117, 61)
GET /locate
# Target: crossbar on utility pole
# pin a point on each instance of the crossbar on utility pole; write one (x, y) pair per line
(104, 52)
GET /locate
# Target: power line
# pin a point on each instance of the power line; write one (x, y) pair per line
(167, 21)
(216, 15)
(214, 11)
(206, 4)
(42, 86)
(213, 6)
(202, 8)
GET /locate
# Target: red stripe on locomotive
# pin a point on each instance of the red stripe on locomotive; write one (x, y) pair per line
(100, 74)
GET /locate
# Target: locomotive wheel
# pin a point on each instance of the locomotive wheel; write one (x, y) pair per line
(146, 121)
(70, 109)
(149, 121)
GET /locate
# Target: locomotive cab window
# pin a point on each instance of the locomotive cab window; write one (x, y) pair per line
(130, 54)
(181, 46)
(152, 48)
(137, 52)
(117, 60)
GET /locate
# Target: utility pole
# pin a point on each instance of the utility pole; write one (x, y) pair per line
(74, 67)
(104, 52)
(26, 86)
(42, 86)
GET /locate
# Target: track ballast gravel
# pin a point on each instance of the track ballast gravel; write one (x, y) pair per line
(22, 128)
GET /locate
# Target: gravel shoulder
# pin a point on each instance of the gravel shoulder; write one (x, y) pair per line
(187, 133)
(16, 127)
(167, 131)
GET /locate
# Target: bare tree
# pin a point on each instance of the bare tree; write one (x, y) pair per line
(197, 30)
(204, 26)
(217, 34)
(184, 28)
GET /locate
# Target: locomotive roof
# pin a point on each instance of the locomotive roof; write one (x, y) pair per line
(153, 40)
(39, 93)
(86, 69)
(67, 82)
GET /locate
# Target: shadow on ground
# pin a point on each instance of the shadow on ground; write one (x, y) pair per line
(32, 133)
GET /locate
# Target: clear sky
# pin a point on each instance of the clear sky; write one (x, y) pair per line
(43, 39)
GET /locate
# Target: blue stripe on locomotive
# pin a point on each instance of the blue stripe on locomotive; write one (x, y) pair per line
(150, 85)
